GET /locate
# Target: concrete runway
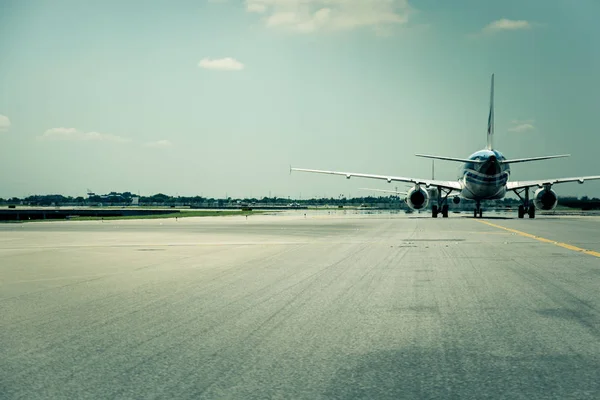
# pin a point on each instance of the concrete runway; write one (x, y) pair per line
(342, 306)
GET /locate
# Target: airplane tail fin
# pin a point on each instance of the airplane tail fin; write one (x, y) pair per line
(490, 131)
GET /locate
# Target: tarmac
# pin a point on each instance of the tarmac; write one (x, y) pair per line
(339, 305)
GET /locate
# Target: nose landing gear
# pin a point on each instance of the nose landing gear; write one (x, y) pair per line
(478, 211)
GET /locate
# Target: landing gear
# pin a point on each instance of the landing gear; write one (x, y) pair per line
(526, 207)
(529, 210)
(442, 205)
(478, 211)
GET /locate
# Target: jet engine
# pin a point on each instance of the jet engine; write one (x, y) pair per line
(545, 199)
(417, 198)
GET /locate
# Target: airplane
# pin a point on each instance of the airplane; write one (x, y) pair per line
(483, 176)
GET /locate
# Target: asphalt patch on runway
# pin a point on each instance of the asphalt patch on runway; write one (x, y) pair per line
(434, 240)
(582, 317)
(421, 373)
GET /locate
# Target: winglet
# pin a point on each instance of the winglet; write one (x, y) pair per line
(290, 169)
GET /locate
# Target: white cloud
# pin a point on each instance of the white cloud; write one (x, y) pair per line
(256, 7)
(77, 135)
(521, 126)
(4, 123)
(506, 25)
(307, 16)
(159, 144)
(222, 64)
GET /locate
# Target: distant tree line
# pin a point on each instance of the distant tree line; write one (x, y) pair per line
(584, 202)
(160, 199)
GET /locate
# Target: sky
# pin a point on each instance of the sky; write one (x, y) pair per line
(219, 97)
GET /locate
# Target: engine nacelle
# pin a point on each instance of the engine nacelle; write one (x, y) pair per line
(545, 199)
(456, 200)
(417, 198)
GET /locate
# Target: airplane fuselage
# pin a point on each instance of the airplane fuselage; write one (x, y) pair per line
(487, 180)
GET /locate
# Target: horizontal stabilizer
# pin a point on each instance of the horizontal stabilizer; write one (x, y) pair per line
(518, 160)
(463, 160)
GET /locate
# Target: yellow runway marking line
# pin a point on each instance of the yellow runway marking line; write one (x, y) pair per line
(541, 239)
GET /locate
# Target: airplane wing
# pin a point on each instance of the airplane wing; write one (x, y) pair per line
(452, 185)
(385, 191)
(541, 183)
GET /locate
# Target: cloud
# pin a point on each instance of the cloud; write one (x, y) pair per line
(306, 16)
(256, 7)
(77, 135)
(221, 64)
(521, 126)
(159, 144)
(4, 123)
(506, 25)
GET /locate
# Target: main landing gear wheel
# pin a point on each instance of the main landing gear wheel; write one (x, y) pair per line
(528, 207)
(526, 210)
(442, 204)
(435, 210)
